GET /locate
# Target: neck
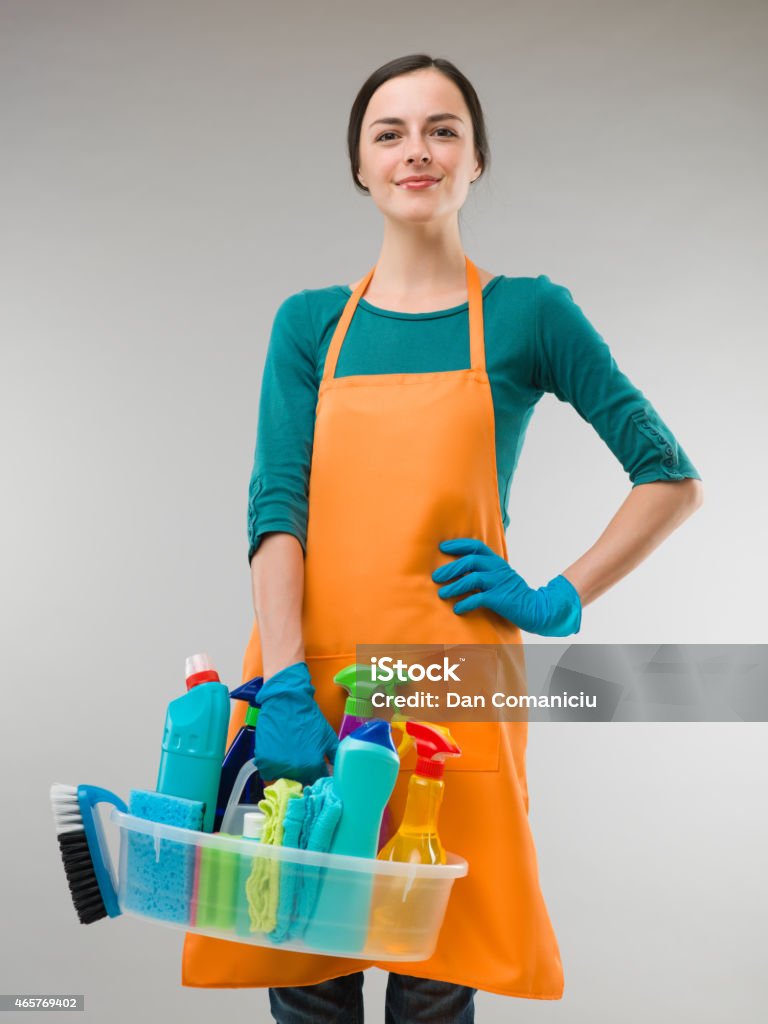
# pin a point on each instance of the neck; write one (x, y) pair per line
(420, 260)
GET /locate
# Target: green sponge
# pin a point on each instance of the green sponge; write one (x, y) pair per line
(217, 888)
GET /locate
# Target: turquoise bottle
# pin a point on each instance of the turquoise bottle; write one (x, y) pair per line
(364, 775)
(195, 738)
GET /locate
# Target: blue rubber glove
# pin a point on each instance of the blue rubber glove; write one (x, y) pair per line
(553, 610)
(293, 736)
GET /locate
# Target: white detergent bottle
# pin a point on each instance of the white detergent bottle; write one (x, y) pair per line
(253, 828)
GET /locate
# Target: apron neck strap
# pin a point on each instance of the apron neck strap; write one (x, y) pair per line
(476, 335)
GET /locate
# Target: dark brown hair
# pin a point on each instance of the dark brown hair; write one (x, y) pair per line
(403, 66)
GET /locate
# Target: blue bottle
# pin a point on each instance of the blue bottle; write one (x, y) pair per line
(364, 775)
(242, 749)
(195, 738)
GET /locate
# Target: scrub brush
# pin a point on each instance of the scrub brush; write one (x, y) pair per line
(84, 849)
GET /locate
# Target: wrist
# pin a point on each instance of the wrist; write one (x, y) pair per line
(565, 607)
(279, 652)
(293, 678)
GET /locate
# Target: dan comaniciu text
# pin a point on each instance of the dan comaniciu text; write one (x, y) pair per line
(451, 699)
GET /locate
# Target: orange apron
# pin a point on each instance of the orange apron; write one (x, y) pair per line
(400, 462)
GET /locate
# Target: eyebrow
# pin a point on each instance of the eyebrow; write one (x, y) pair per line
(430, 120)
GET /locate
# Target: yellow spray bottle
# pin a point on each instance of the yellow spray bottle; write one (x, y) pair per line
(403, 905)
(417, 840)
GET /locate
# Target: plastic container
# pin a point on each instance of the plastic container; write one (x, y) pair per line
(195, 738)
(240, 752)
(364, 774)
(253, 829)
(234, 816)
(409, 938)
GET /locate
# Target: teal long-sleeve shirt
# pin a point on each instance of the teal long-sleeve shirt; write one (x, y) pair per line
(537, 340)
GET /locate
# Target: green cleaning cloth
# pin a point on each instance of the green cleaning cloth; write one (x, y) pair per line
(263, 885)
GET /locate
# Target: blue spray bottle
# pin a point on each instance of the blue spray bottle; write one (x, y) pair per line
(241, 751)
(195, 737)
(364, 775)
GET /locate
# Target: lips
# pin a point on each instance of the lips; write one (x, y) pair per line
(417, 182)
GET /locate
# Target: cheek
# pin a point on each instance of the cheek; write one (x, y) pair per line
(371, 163)
(459, 161)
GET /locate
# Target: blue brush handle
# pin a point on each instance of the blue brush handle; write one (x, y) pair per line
(87, 798)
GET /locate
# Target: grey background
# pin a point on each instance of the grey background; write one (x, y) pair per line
(171, 171)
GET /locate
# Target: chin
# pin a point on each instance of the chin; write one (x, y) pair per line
(421, 216)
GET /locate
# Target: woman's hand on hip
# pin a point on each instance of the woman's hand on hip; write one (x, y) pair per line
(552, 610)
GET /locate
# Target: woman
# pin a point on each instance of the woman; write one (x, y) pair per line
(376, 501)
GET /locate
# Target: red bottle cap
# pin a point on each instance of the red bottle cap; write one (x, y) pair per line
(433, 746)
(200, 669)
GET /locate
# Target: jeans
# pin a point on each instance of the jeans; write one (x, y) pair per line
(409, 1001)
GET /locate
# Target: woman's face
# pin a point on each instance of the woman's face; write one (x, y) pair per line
(410, 144)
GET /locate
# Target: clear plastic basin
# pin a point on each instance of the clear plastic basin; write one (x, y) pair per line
(237, 889)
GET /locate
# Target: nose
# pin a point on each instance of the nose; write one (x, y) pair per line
(418, 153)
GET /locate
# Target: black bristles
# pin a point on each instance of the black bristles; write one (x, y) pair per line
(81, 876)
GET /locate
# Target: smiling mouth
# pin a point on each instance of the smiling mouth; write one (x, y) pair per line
(415, 185)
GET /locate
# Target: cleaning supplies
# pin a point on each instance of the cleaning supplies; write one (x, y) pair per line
(404, 744)
(358, 681)
(364, 776)
(397, 722)
(218, 872)
(253, 825)
(310, 823)
(215, 899)
(417, 839)
(307, 867)
(240, 752)
(195, 737)
(225, 865)
(401, 903)
(360, 685)
(83, 849)
(262, 887)
(234, 815)
(160, 872)
(253, 828)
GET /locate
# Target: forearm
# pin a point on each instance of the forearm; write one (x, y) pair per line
(277, 581)
(649, 515)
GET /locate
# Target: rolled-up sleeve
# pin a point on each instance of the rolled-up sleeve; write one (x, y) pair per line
(574, 363)
(279, 485)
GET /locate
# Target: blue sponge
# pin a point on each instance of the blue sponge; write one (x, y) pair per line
(160, 872)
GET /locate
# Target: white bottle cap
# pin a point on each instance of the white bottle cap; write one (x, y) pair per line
(253, 824)
(198, 663)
